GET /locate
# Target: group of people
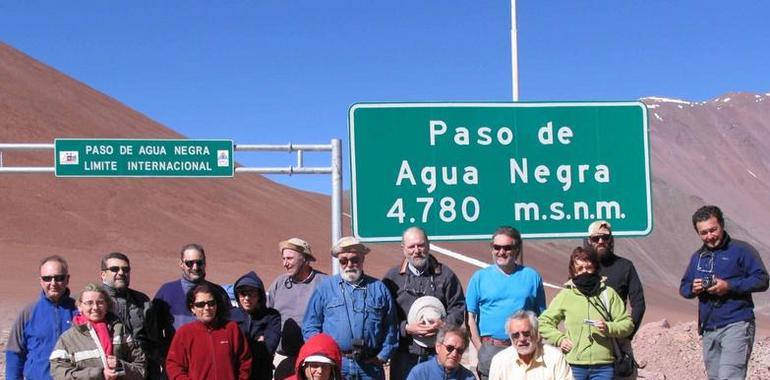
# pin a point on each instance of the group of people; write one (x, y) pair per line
(417, 318)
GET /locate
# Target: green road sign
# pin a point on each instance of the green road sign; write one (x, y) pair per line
(143, 158)
(460, 170)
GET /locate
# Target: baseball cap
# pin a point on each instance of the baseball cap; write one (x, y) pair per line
(600, 227)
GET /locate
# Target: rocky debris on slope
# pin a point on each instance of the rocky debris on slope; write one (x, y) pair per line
(674, 352)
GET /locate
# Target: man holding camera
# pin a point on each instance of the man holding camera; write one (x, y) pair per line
(723, 273)
(357, 311)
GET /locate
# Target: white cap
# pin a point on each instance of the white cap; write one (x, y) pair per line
(318, 359)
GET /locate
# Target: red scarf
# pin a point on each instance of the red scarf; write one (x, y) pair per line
(102, 332)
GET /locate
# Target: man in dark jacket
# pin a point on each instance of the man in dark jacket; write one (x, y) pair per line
(723, 273)
(260, 324)
(418, 275)
(620, 272)
(130, 305)
(621, 276)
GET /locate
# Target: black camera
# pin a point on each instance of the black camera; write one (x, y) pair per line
(708, 281)
(359, 349)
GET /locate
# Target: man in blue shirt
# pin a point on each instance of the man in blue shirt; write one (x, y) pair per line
(357, 311)
(723, 273)
(451, 342)
(496, 291)
(38, 327)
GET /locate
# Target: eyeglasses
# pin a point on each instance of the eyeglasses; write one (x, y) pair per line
(353, 260)
(190, 263)
(97, 303)
(117, 269)
(55, 277)
(525, 334)
(597, 238)
(505, 248)
(202, 304)
(450, 349)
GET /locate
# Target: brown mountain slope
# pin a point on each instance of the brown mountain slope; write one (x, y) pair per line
(238, 220)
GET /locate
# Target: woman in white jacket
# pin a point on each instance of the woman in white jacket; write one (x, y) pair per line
(97, 346)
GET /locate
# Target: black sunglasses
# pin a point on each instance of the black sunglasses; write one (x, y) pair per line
(353, 260)
(190, 263)
(506, 248)
(117, 269)
(202, 304)
(56, 277)
(450, 348)
(525, 334)
(596, 238)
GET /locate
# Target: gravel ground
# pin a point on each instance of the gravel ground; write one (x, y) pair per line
(674, 352)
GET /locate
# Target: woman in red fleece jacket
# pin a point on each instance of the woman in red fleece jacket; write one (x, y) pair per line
(211, 347)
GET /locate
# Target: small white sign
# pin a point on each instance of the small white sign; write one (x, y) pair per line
(223, 158)
(68, 157)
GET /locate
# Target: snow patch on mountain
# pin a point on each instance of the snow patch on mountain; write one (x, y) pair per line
(666, 100)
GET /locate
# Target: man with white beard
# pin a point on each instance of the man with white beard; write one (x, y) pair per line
(419, 275)
(357, 311)
(528, 357)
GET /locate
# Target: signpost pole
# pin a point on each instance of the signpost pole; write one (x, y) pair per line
(336, 197)
(514, 53)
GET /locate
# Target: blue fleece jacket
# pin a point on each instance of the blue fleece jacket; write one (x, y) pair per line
(34, 335)
(740, 265)
(432, 370)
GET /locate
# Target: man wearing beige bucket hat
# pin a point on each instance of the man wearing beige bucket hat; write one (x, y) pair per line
(290, 292)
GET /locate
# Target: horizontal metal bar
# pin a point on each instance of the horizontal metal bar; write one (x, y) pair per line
(284, 170)
(21, 147)
(28, 169)
(283, 148)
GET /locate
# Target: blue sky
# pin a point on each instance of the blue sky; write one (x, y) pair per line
(273, 72)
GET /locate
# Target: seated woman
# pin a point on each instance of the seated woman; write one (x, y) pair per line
(319, 359)
(260, 324)
(97, 346)
(592, 313)
(211, 347)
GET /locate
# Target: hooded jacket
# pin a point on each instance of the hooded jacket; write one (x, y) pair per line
(589, 346)
(322, 345)
(261, 326)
